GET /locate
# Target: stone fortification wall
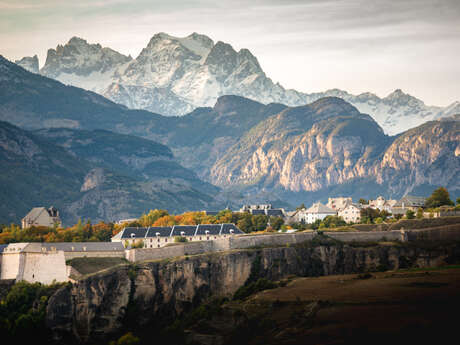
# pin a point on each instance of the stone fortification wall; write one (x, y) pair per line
(101, 254)
(369, 236)
(192, 248)
(446, 233)
(34, 267)
(451, 232)
(10, 265)
(44, 267)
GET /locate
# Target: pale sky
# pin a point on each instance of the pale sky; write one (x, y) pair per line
(307, 45)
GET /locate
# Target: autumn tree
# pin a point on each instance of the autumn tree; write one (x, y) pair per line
(440, 197)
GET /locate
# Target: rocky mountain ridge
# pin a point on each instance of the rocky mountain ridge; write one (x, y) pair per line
(93, 175)
(173, 76)
(254, 151)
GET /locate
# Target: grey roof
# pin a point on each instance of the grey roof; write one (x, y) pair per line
(84, 246)
(38, 247)
(189, 230)
(410, 200)
(176, 230)
(256, 212)
(134, 232)
(227, 227)
(275, 213)
(212, 213)
(213, 229)
(164, 231)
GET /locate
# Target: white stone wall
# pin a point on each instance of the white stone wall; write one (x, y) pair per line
(44, 267)
(10, 265)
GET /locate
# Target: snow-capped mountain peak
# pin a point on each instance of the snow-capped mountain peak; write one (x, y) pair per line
(173, 75)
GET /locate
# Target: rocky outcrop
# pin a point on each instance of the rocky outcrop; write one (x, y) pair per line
(29, 63)
(153, 294)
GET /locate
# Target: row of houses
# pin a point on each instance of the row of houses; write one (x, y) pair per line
(351, 212)
(160, 236)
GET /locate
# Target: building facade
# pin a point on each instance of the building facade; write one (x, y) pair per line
(339, 203)
(351, 213)
(41, 216)
(408, 202)
(264, 209)
(156, 237)
(315, 212)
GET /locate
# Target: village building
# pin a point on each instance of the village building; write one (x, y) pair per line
(41, 216)
(339, 203)
(315, 212)
(408, 202)
(264, 209)
(382, 204)
(156, 237)
(351, 213)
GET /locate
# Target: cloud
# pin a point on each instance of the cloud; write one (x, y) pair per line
(296, 41)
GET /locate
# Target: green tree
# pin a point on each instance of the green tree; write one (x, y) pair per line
(363, 201)
(368, 215)
(259, 222)
(458, 201)
(302, 206)
(440, 197)
(276, 222)
(410, 214)
(419, 213)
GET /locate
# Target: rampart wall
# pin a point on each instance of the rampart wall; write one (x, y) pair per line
(44, 267)
(450, 232)
(101, 254)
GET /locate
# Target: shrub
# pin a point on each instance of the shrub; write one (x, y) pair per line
(254, 287)
(137, 244)
(179, 239)
(410, 214)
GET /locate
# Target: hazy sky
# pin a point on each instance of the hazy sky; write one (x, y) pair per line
(309, 45)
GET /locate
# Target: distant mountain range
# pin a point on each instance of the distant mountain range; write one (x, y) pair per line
(252, 152)
(79, 173)
(173, 76)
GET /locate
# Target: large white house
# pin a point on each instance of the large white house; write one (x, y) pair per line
(315, 212)
(350, 214)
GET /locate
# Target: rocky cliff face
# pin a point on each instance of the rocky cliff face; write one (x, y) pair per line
(428, 154)
(97, 175)
(152, 294)
(30, 63)
(304, 149)
(174, 75)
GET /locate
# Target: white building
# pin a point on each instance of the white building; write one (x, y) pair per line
(315, 212)
(41, 216)
(339, 203)
(46, 262)
(382, 204)
(350, 214)
(160, 236)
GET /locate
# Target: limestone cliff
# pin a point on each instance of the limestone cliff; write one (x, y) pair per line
(153, 294)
